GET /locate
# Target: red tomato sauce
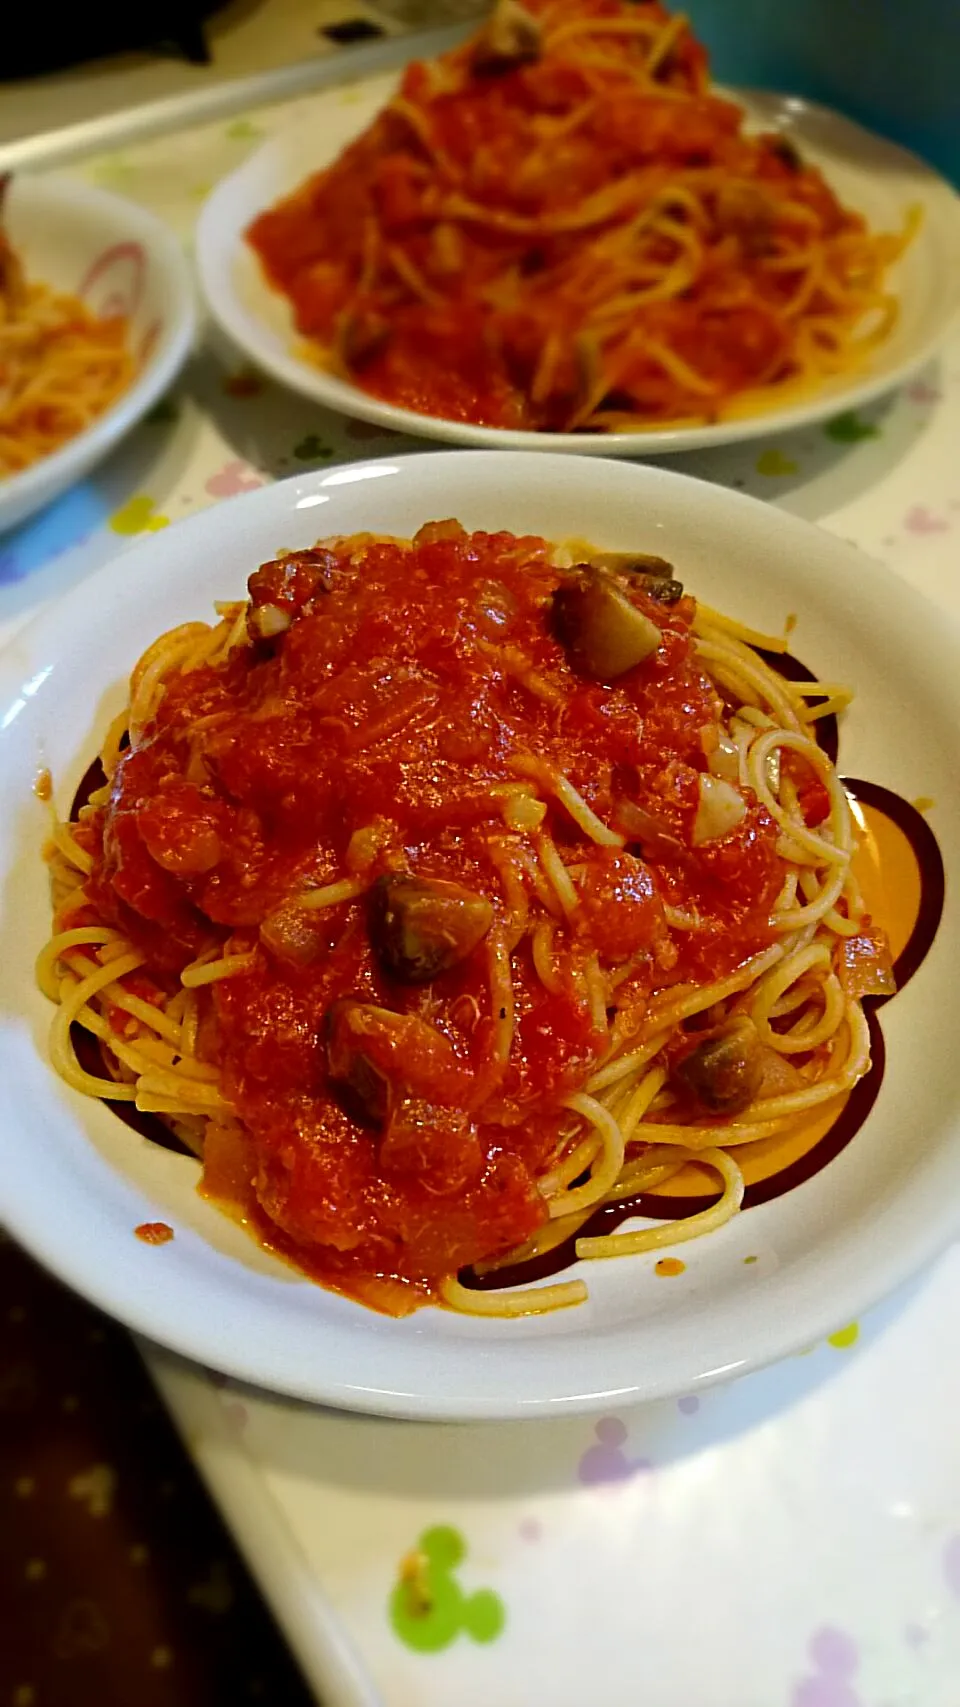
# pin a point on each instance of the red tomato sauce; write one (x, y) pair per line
(364, 739)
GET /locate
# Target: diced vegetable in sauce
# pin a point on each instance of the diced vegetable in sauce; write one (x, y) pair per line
(655, 574)
(866, 968)
(723, 1074)
(349, 1064)
(603, 633)
(421, 927)
(720, 810)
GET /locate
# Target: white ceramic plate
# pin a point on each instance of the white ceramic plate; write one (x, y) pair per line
(880, 180)
(118, 259)
(75, 1182)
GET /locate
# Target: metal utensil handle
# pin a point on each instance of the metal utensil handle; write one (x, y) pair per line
(221, 100)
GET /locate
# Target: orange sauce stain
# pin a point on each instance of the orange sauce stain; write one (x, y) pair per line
(43, 787)
(669, 1266)
(154, 1232)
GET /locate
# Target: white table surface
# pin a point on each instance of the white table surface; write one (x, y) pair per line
(792, 1540)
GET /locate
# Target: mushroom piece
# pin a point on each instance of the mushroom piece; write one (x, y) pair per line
(363, 335)
(421, 926)
(375, 1055)
(512, 36)
(724, 1072)
(368, 1091)
(786, 150)
(601, 631)
(297, 935)
(720, 810)
(666, 592)
(655, 574)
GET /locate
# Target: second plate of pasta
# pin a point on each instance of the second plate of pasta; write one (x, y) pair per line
(691, 275)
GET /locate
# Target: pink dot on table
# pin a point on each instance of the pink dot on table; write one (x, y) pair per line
(233, 478)
(606, 1462)
(921, 519)
(689, 1404)
(531, 1529)
(610, 1431)
(834, 1652)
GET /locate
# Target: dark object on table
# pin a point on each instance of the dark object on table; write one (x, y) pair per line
(118, 1582)
(351, 30)
(59, 35)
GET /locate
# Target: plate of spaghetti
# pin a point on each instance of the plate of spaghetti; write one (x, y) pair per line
(96, 318)
(491, 962)
(561, 235)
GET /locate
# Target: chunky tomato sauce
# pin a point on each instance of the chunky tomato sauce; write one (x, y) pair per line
(389, 691)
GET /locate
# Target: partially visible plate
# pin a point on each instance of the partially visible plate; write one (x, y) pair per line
(118, 259)
(75, 1181)
(875, 177)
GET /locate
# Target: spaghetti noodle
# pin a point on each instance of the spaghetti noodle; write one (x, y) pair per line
(561, 226)
(427, 962)
(60, 365)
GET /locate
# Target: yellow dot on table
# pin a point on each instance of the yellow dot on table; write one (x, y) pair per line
(24, 1695)
(95, 1487)
(35, 1570)
(23, 1487)
(845, 1337)
(138, 515)
(161, 1658)
(775, 465)
(139, 1554)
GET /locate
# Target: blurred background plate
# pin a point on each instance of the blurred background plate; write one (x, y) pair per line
(875, 177)
(119, 259)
